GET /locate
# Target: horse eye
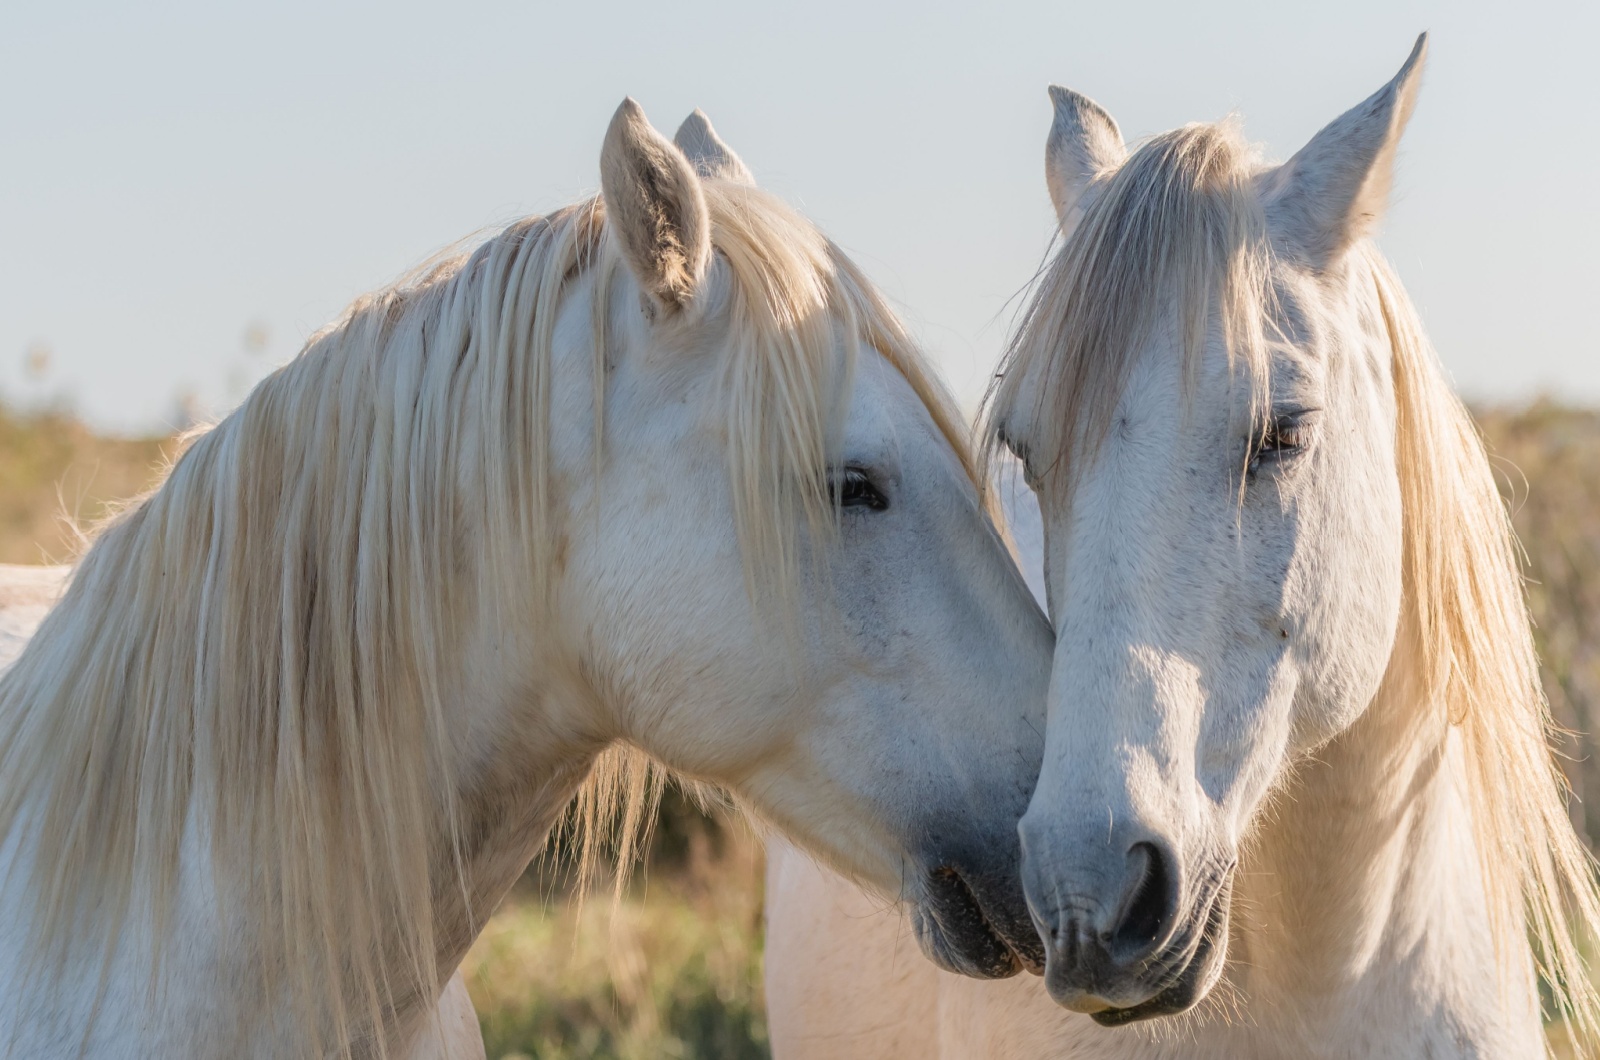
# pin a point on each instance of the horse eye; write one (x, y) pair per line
(1024, 457)
(1286, 434)
(853, 488)
(1284, 437)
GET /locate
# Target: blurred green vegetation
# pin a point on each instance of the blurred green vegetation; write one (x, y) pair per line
(1547, 458)
(672, 968)
(55, 472)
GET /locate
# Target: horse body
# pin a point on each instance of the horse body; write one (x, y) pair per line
(658, 471)
(1297, 798)
(26, 595)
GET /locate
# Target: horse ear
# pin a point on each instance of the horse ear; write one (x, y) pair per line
(656, 208)
(1333, 191)
(1084, 143)
(705, 151)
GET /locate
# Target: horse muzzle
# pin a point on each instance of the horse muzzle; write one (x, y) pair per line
(976, 924)
(1148, 952)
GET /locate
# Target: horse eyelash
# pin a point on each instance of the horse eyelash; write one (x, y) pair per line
(1290, 423)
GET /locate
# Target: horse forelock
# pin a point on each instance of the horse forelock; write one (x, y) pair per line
(1174, 237)
(261, 638)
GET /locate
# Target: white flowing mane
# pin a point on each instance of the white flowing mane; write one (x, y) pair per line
(1180, 225)
(251, 651)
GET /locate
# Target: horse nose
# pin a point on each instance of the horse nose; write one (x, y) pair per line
(1099, 941)
(1149, 902)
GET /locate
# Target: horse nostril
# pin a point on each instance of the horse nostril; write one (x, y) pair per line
(1147, 911)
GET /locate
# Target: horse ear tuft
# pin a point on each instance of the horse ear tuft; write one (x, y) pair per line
(706, 151)
(1084, 144)
(1335, 189)
(656, 208)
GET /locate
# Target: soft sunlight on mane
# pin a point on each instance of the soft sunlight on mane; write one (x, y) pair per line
(254, 650)
(1180, 224)
(1476, 662)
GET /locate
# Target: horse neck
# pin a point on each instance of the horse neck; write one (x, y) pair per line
(520, 742)
(515, 776)
(520, 767)
(531, 735)
(1363, 895)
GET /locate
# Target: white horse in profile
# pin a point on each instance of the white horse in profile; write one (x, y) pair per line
(657, 471)
(1298, 798)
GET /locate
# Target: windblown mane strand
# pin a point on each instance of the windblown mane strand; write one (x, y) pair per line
(255, 650)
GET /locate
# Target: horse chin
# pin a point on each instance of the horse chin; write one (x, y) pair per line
(1190, 985)
(956, 934)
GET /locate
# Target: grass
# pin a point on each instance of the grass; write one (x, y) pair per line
(673, 968)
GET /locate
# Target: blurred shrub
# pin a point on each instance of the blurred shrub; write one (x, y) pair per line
(1547, 458)
(52, 466)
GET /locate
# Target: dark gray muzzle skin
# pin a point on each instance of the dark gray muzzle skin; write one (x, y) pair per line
(972, 916)
(1123, 928)
(1183, 975)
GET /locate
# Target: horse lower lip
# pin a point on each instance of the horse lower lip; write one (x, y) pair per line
(971, 941)
(1174, 995)
(1088, 1005)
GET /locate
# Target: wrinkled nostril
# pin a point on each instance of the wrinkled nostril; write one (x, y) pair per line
(1147, 907)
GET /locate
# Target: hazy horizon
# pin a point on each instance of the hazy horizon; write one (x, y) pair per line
(194, 191)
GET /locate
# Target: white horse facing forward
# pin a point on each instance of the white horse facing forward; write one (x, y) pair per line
(1298, 798)
(659, 471)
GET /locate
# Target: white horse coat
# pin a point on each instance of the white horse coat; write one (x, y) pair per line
(844, 977)
(658, 472)
(1297, 798)
(26, 594)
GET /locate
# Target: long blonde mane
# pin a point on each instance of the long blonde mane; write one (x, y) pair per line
(1179, 226)
(1465, 599)
(252, 655)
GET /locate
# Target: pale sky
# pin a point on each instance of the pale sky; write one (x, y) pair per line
(181, 177)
